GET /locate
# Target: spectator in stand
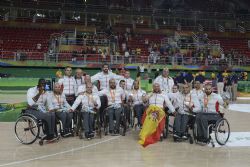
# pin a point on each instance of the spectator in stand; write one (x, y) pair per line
(220, 83)
(94, 50)
(179, 80)
(146, 42)
(214, 82)
(124, 46)
(74, 55)
(188, 79)
(225, 74)
(200, 77)
(39, 46)
(126, 56)
(228, 86)
(138, 51)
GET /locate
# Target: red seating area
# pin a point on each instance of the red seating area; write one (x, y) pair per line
(239, 45)
(139, 42)
(26, 40)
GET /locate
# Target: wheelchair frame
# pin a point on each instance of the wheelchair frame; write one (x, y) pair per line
(214, 127)
(35, 127)
(123, 122)
(97, 124)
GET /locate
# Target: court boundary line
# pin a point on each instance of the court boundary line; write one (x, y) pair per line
(58, 153)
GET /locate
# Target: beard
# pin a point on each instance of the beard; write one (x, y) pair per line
(157, 91)
(112, 86)
(208, 93)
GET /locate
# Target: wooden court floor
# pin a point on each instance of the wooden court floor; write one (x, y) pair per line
(119, 151)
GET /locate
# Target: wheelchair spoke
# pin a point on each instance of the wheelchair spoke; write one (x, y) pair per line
(222, 131)
(26, 129)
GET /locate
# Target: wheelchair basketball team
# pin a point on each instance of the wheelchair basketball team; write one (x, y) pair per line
(120, 103)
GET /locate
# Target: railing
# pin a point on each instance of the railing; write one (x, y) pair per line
(177, 59)
(56, 8)
(86, 5)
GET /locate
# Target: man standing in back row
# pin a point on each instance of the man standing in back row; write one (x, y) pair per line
(104, 77)
(165, 81)
(68, 85)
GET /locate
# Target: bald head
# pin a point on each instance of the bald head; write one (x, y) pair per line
(156, 88)
(57, 88)
(208, 89)
(112, 83)
(186, 89)
(89, 87)
(165, 72)
(79, 73)
(87, 79)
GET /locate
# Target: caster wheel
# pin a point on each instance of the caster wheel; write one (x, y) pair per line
(99, 134)
(161, 138)
(191, 141)
(40, 142)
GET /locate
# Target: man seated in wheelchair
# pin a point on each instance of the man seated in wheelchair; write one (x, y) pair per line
(116, 98)
(37, 101)
(136, 97)
(211, 105)
(90, 105)
(57, 103)
(154, 117)
(185, 103)
(126, 109)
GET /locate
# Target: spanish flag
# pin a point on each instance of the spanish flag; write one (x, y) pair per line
(153, 121)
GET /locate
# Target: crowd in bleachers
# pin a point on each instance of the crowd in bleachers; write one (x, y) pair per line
(133, 47)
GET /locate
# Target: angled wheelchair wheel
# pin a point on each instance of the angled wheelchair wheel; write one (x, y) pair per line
(26, 129)
(123, 123)
(222, 131)
(195, 133)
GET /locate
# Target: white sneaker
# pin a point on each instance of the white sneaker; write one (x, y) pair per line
(176, 136)
(184, 137)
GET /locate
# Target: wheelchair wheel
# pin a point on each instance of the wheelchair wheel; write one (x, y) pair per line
(123, 125)
(195, 133)
(191, 140)
(26, 129)
(222, 131)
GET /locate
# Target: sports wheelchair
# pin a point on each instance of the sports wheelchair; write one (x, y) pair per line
(28, 129)
(221, 129)
(123, 122)
(78, 128)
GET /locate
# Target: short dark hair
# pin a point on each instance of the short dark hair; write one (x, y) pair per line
(105, 64)
(121, 81)
(176, 86)
(41, 80)
(67, 67)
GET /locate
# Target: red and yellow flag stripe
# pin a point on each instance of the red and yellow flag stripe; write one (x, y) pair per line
(153, 124)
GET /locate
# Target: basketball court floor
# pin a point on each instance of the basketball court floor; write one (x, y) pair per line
(124, 151)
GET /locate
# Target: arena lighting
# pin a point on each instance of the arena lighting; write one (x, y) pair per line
(40, 15)
(76, 17)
